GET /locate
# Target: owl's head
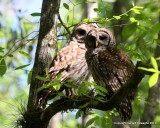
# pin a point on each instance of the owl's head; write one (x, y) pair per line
(81, 30)
(99, 37)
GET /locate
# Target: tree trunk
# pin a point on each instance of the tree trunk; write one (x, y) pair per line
(119, 7)
(44, 54)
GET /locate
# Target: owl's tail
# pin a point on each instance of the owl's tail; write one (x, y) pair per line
(125, 109)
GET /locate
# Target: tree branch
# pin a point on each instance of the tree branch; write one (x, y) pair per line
(68, 31)
(64, 103)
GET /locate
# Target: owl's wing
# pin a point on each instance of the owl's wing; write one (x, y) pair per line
(116, 67)
(65, 61)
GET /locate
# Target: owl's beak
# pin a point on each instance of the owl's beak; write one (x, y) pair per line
(97, 43)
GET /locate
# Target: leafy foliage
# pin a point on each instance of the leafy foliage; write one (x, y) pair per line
(153, 78)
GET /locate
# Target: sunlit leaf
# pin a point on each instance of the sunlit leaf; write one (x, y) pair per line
(137, 9)
(133, 20)
(154, 63)
(79, 113)
(97, 19)
(86, 20)
(66, 6)
(147, 69)
(117, 17)
(23, 66)
(25, 54)
(153, 79)
(42, 78)
(56, 85)
(29, 77)
(91, 121)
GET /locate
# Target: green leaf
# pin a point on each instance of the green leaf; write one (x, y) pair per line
(10, 55)
(29, 77)
(95, 9)
(82, 89)
(153, 79)
(68, 18)
(3, 66)
(23, 66)
(84, 105)
(154, 63)
(129, 30)
(91, 121)
(137, 9)
(2, 49)
(42, 78)
(60, 94)
(86, 20)
(158, 58)
(117, 17)
(147, 69)
(70, 83)
(100, 88)
(25, 54)
(66, 6)
(79, 113)
(133, 20)
(40, 89)
(43, 87)
(56, 85)
(36, 14)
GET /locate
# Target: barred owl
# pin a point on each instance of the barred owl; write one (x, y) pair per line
(109, 67)
(70, 62)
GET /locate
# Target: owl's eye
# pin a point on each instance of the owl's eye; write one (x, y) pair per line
(81, 32)
(102, 37)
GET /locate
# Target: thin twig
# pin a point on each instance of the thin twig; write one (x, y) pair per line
(67, 29)
(10, 50)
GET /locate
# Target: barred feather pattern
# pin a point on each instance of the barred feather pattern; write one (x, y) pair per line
(109, 67)
(70, 62)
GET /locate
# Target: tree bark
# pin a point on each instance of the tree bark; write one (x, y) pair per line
(119, 7)
(44, 54)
